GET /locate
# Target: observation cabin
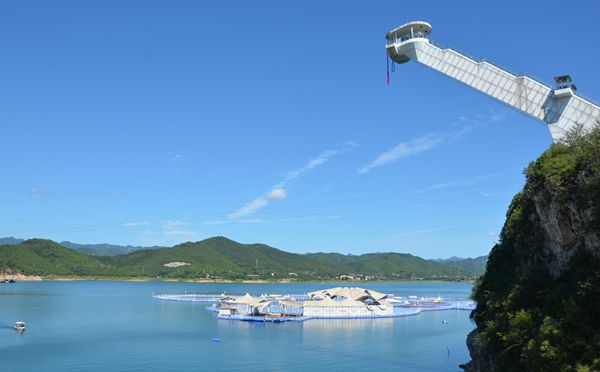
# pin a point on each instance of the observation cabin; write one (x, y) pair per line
(407, 33)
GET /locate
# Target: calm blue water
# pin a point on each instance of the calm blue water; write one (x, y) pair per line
(100, 326)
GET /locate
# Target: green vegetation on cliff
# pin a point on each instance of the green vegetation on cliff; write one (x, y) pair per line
(538, 303)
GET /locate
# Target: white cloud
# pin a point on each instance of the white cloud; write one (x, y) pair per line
(277, 194)
(491, 194)
(263, 221)
(217, 222)
(138, 223)
(497, 116)
(278, 191)
(321, 159)
(35, 192)
(177, 156)
(172, 232)
(429, 142)
(422, 231)
(260, 202)
(405, 149)
(174, 223)
(179, 160)
(440, 186)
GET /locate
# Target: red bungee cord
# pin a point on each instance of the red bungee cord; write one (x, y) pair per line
(387, 64)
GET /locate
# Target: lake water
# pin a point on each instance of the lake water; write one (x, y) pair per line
(103, 326)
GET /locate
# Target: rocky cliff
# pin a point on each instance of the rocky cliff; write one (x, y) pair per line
(539, 299)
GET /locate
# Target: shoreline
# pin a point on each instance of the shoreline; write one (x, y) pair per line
(32, 278)
(21, 277)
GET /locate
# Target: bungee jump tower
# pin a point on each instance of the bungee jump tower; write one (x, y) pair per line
(560, 107)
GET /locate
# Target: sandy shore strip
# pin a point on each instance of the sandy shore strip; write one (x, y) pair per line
(20, 277)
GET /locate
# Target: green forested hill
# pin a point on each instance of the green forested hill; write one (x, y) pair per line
(401, 265)
(45, 257)
(224, 258)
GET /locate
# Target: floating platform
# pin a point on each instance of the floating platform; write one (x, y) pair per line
(277, 308)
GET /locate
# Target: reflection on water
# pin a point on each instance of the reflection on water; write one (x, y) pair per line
(98, 326)
(24, 293)
(347, 325)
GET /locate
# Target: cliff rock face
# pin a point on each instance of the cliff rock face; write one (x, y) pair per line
(539, 299)
(566, 226)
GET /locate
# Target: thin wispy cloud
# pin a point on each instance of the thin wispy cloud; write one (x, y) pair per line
(38, 193)
(483, 118)
(422, 231)
(431, 141)
(171, 232)
(179, 159)
(177, 156)
(278, 191)
(313, 163)
(35, 192)
(405, 149)
(134, 224)
(260, 202)
(171, 224)
(491, 194)
(497, 116)
(439, 186)
(267, 221)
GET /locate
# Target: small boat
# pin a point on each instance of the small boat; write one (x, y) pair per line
(19, 327)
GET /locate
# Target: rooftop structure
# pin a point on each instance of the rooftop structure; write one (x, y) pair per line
(267, 306)
(347, 302)
(561, 107)
(351, 293)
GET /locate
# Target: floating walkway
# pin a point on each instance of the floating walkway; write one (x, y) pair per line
(189, 297)
(213, 298)
(276, 308)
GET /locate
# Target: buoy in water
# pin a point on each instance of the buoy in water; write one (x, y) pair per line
(444, 322)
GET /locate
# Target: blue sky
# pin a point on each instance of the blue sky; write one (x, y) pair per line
(155, 122)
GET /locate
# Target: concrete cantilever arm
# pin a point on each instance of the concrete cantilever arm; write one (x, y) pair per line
(560, 109)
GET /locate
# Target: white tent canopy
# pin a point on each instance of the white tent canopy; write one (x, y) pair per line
(247, 299)
(351, 293)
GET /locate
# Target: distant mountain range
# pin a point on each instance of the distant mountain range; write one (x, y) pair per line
(450, 259)
(10, 240)
(103, 249)
(220, 257)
